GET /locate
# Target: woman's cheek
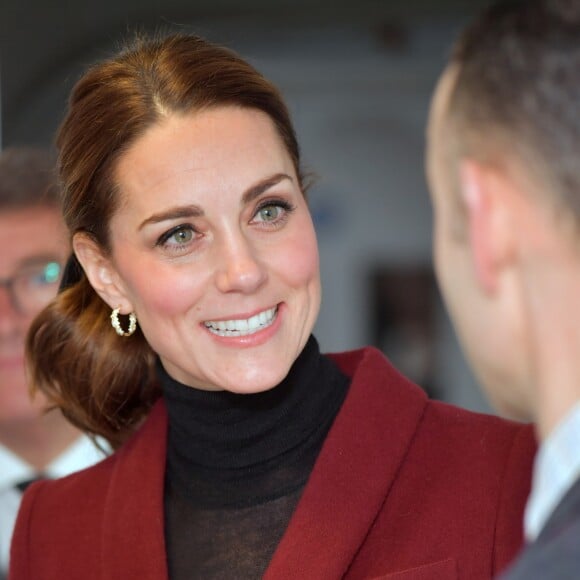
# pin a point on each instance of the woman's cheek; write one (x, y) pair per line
(164, 294)
(302, 262)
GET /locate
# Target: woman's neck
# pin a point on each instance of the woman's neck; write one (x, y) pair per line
(247, 447)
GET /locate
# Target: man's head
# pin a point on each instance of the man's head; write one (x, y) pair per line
(502, 162)
(34, 247)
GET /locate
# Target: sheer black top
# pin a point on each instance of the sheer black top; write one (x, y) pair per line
(237, 465)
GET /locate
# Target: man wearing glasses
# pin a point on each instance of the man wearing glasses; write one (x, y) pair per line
(33, 443)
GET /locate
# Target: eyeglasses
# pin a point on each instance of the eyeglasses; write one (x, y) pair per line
(33, 286)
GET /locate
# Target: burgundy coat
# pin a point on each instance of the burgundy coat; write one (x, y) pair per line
(404, 488)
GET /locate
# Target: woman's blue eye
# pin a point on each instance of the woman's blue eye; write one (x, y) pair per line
(273, 211)
(182, 236)
(269, 213)
(178, 236)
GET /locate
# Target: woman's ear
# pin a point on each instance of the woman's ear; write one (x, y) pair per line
(101, 273)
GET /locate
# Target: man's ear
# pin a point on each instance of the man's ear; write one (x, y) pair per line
(483, 189)
(101, 274)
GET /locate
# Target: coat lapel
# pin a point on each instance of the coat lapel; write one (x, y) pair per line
(346, 490)
(133, 523)
(354, 471)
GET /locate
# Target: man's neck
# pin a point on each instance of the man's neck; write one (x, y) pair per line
(41, 440)
(555, 311)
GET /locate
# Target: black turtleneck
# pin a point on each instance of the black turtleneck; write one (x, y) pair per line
(237, 465)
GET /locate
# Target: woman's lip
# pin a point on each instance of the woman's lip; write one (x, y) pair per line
(251, 340)
(244, 316)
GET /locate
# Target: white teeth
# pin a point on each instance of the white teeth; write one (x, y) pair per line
(242, 327)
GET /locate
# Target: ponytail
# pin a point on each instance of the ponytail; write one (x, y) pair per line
(103, 383)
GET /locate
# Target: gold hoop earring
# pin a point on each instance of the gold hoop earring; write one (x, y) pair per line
(116, 324)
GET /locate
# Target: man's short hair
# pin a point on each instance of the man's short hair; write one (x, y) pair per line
(517, 93)
(27, 178)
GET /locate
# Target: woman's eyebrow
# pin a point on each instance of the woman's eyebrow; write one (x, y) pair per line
(182, 211)
(193, 211)
(256, 190)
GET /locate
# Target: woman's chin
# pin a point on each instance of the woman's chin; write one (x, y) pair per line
(252, 387)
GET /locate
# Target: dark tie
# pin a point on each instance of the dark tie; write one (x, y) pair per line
(22, 485)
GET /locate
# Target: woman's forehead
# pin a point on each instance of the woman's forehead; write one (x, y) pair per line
(189, 159)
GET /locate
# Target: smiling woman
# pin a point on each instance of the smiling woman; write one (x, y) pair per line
(214, 236)
(243, 452)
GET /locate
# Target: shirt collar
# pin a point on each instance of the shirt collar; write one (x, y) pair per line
(556, 468)
(13, 469)
(82, 453)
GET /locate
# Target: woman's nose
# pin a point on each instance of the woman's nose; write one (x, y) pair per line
(239, 268)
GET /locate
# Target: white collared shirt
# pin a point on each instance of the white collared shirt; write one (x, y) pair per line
(556, 469)
(82, 453)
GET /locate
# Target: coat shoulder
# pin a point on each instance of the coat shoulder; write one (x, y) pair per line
(492, 438)
(462, 479)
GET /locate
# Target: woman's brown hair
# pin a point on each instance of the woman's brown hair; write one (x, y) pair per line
(105, 384)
